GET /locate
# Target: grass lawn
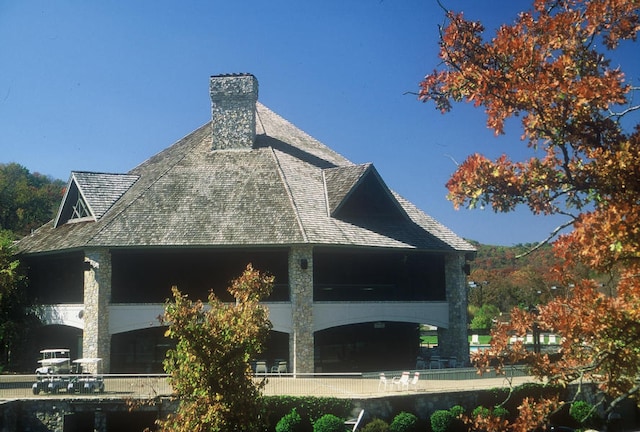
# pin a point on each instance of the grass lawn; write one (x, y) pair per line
(431, 340)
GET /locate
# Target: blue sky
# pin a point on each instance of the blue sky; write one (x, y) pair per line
(104, 85)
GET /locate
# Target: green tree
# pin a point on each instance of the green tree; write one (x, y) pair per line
(484, 317)
(209, 368)
(27, 200)
(14, 321)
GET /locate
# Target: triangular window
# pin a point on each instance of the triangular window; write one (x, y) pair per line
(74, 208)
(80, 210)
(90, 195)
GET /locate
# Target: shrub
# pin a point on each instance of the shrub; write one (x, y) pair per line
(583, 413)
(441, 420)
(404, 422)
(456, 411)
(376, 425)
(290, 422)
(499, 411)
(329, 423)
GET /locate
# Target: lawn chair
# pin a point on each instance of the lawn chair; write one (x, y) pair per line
(414, 381)
(282, 367)
(354, 421)
(402, 381)
(383, 381)
(261, 367)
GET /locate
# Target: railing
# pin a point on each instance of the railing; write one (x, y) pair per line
(341, 385)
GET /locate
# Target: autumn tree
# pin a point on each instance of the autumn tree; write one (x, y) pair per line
(209, 368)
(552, 70)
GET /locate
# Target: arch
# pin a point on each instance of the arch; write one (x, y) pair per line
(366, 347)
(71, 315)
(328, 314)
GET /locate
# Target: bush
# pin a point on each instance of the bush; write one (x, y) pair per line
(441, 420)
(329, 423)
(456, 411)
(583, 413)
(290, 422)
(376, 425)
(500, 412)
(404, 422)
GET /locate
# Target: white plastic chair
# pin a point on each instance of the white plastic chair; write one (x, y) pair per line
(383, 382)
(402, 381)
(414, 381)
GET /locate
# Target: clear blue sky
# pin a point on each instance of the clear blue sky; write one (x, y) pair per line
(104, 85)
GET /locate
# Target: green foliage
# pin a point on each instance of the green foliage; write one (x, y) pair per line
(329, 423)
(404, 422)
(309, 408)
(290, 422)
(456, 410)
(209, 368)
(376, 425)
(441, 420)
(14, 322)
(27, 200)
(484, 316)
(584, 413)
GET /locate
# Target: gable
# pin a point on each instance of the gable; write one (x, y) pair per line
(357, 194)
(89, 195)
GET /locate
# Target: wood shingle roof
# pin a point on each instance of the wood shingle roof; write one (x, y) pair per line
(282, 191)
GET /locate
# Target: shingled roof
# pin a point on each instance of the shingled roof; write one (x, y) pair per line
(287, 189)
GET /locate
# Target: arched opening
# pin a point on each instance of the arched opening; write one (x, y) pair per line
(139, 351)
(366, 347)
(47, 337)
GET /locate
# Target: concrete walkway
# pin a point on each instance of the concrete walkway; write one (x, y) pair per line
(342, 386)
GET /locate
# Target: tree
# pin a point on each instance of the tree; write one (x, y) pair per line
(27, 200)
(14, 322)
(548, 70)
(209, 368)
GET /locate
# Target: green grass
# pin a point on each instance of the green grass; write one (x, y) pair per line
(433, 339)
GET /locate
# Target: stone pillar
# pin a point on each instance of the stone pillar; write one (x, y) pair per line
(301, 344)
(454, 341)
(96, 340)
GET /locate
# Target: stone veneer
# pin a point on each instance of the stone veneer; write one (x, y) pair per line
(233, 111)
(454, 341)
(301, 341)
(96, 340)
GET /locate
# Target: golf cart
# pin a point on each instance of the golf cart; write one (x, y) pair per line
(54, 361)
(51, 375)
(89, 376)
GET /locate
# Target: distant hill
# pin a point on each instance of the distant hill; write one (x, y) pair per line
(499, 278)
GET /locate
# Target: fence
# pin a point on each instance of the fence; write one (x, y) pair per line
(346, 385)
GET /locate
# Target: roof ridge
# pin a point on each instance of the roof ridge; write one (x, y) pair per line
(140, 194)
(292, 200)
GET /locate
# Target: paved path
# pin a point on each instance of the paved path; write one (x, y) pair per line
(346, 386)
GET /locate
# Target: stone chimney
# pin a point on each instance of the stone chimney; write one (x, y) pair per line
(233, 111)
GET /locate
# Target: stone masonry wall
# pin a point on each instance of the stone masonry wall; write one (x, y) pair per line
(301, 344)
(453, 341)
(233, 111)
(96, 340)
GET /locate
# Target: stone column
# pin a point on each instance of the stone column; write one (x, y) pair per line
(301, 292)
(96, 340)
(454, 341)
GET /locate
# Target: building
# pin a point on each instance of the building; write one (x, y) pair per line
(357, 267)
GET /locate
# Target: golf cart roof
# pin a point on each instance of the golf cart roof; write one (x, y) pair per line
(52, 361)
(87, 360)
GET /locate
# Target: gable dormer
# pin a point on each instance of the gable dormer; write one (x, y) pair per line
(89, 195)
(357, 194)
